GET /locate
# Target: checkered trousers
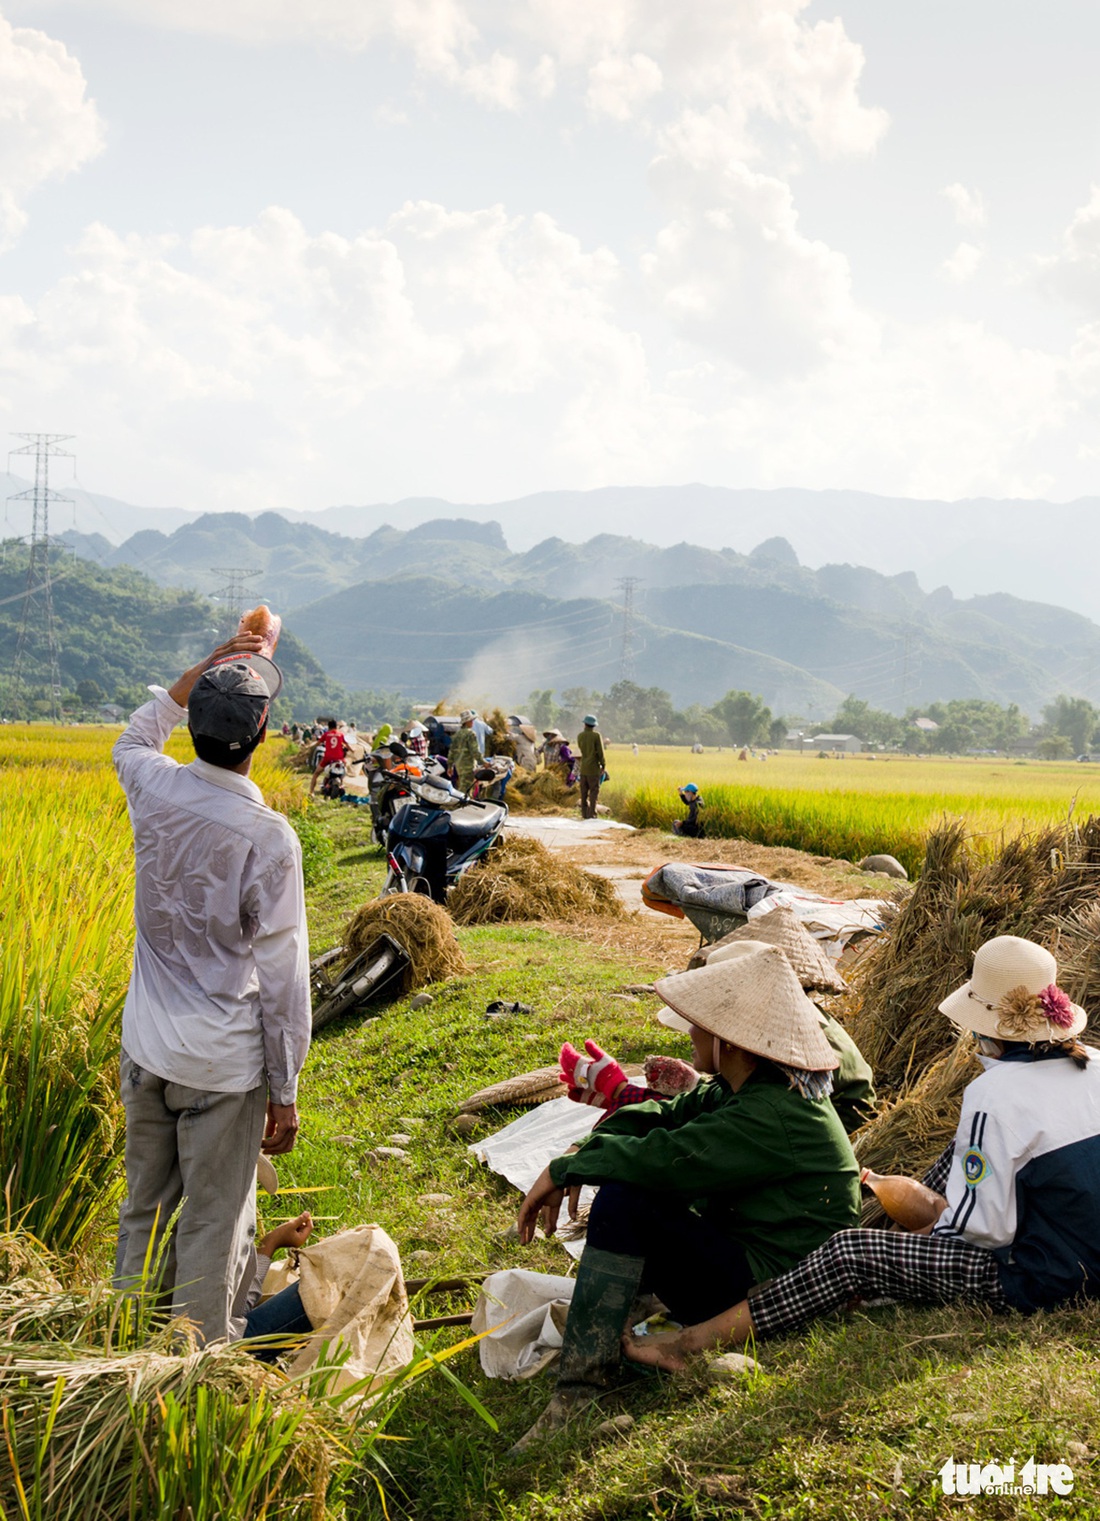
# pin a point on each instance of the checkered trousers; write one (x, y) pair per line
(867, 1264)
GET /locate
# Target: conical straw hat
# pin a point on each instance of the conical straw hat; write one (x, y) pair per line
(782, 927)
(754, 1002)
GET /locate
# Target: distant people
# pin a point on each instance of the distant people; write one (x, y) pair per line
(557, 756)
(439, 741)
(691, 827)
(522, 735)
(696, 748)
(592, 767)
(465, 754)
(334, 747)
(634, 749)
(418, 740)
(483, 733)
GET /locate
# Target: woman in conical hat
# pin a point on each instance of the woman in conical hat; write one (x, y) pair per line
(714, 1190)
(1017, 1223)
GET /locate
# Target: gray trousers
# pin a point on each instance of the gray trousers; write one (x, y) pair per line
(185, 1146)
(590, 791)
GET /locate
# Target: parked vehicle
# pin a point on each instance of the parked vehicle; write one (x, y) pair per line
(437, 835)
(332, 779)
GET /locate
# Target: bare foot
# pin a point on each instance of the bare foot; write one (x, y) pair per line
(665, 1350)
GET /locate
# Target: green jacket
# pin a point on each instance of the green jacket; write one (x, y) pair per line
(853, 1080)
(464, 754)
(590, 746)
(773, 1170)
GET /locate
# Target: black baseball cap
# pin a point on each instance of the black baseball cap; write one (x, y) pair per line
(230, 700)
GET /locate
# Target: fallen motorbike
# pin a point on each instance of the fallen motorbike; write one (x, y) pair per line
(437, 835)
(338, 989)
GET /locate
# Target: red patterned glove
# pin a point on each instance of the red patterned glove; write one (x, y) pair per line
(668, 1076)
(590, 1079)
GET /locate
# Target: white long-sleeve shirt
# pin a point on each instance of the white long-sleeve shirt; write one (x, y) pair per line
(219, 994)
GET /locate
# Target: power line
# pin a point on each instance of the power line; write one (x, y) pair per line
(627, 585)
(233, 592)
(38, 614)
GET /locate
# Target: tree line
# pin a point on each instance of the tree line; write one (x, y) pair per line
(1069, 726)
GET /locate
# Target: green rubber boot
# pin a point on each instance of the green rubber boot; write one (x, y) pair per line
(591, 1346)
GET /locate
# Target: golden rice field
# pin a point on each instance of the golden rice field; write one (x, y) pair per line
(847, 807)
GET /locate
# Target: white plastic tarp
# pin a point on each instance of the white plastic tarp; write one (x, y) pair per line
(522, 1149)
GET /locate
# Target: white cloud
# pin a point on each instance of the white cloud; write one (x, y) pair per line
(758, 58)
(963, 263)
(734, 273)
(239, 358)
(1074, 272)
(968, 205)
(618, 86)
(48, 127)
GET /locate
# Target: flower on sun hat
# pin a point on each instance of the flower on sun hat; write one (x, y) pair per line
(753, 1001)
(1013, 994)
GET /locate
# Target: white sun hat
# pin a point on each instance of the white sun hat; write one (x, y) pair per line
(753, 1001)
(1013, 994)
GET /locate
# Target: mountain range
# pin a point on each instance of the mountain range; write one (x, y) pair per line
(447, 608)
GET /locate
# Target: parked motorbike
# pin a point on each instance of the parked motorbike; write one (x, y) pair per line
(437, 835)
(332, 779)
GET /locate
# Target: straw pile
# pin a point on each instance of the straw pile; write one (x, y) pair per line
(500, 742)
(520, 879)
(1040, 886)
(540, 792)
(909, 1134)
(421, 928)
(1044, 887)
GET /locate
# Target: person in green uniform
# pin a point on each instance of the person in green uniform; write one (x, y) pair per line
(592, 766)
(727, 1185)
(853, 1096)
(465, 753)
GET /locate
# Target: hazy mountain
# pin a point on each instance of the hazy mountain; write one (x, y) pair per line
(1039, 551)
(706, 619)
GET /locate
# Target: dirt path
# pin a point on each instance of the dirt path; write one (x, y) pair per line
(627, 856)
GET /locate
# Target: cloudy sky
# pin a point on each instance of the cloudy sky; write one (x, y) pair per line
(288, 253)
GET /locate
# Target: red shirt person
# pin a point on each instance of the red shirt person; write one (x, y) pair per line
(334, 747)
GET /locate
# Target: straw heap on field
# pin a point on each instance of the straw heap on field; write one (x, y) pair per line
(540, 792)
(521, 879)
(909, 1134)
(422, 929)
(1035, 885)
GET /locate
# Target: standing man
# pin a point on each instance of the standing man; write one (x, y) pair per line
(592, 766)
(465, 752)
(217, 1019)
